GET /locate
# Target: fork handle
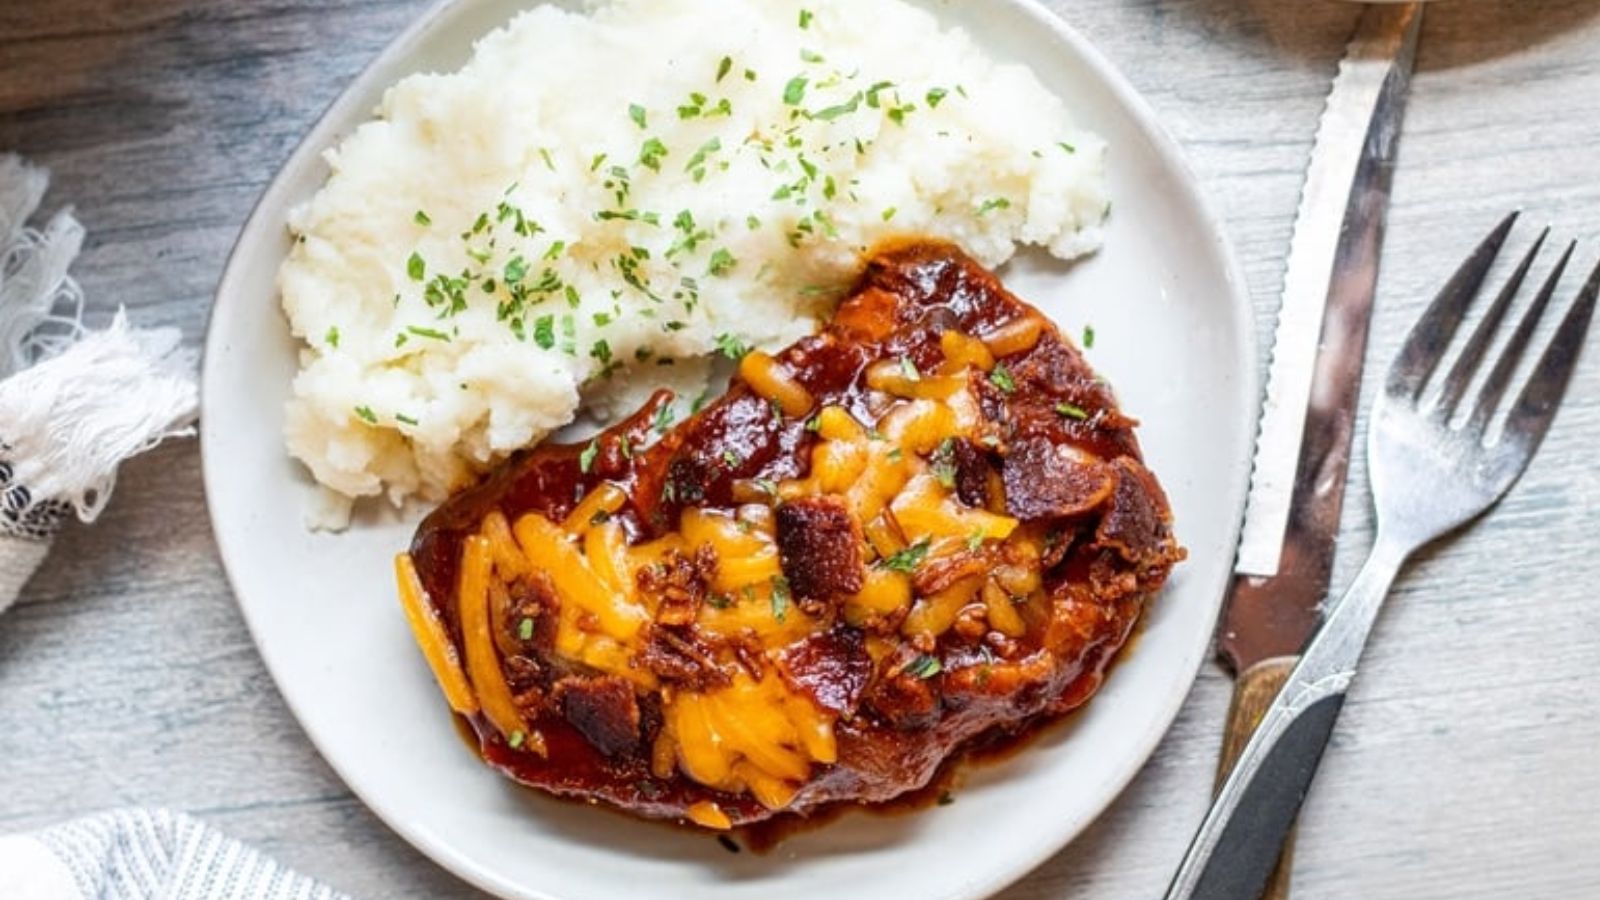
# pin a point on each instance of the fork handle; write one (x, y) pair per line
(1238, 843)
(1253, 691)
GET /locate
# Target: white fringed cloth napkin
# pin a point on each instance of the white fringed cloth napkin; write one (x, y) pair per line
(143, 854)
(74, 404)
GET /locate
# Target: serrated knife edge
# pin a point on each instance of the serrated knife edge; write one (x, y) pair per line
(1335, 158)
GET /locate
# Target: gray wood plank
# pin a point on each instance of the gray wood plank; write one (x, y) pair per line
(1464, 765)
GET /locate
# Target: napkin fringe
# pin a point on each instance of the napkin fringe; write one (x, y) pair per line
(139, 854)
(73, 403)
(34, 283)
(68, 422)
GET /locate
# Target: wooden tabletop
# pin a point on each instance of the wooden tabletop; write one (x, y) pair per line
(1467, 764)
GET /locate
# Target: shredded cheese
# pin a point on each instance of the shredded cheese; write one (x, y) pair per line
(430, 636)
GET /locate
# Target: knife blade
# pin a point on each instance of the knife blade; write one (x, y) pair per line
(1302, 455)
(1302, 458)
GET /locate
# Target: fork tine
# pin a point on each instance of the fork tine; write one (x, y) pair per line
(1455, 384)
(1432, 333)
(1530, 417)
(1495, 385)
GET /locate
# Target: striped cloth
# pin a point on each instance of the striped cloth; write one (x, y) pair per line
(141, 854)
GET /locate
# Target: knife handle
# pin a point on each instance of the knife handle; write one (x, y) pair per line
(1253, 692)
(1233, 852)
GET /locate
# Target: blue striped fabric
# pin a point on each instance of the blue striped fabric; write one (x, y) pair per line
(140, 854)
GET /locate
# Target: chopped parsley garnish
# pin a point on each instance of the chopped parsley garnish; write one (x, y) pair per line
(421, 218)
(875, 90)
(1088, 337)
(628, 215)
(404, 419)
(897, 112)
(936, 96)
(696, 163)
(651, 152)
(724, 67)
(586, 458)
(1071, 411)
(780, 597)
(889, 213)
(795, 90)
(332, 337)
(907, 560)
(924, 666)
(416, 268)
(516, 739)
(805, 18)
(516, 270)
(731, 457)
(944, 466)
(548, 162)
(830, 113)
(637, 114)
(992, 204)
(731, 347)
(556, 249)
(367, 415)
(601, 350)
(525, 629)
(810, 56)
(975, 539)
(1067, 147)
(430, 333)
(1001, 378)
(664, 417)
(909, 369)
(722, 262)
(544, 332)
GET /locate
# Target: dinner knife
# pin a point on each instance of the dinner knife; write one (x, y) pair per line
(1302, 455)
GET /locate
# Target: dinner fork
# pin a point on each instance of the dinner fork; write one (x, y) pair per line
(1434, 468)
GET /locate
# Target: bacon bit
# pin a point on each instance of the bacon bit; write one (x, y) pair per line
(681, 659)
(1043, 480)
(679, 583)
(938, 574)
(974, 477)
(1137, 521)
(819, 547)
(831, 667)
(603, 709)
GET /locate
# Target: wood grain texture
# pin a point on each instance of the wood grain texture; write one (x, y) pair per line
(1463, 766)
(1254, 689)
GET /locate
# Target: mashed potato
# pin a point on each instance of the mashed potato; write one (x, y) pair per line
(596, 204)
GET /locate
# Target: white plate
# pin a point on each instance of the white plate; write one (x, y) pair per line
(1174, 336)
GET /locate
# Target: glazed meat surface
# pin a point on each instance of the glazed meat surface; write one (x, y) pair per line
(927, 525)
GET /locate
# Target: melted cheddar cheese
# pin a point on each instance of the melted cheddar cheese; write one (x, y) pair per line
(755, 732)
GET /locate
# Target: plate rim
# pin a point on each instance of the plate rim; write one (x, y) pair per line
(323, 133)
